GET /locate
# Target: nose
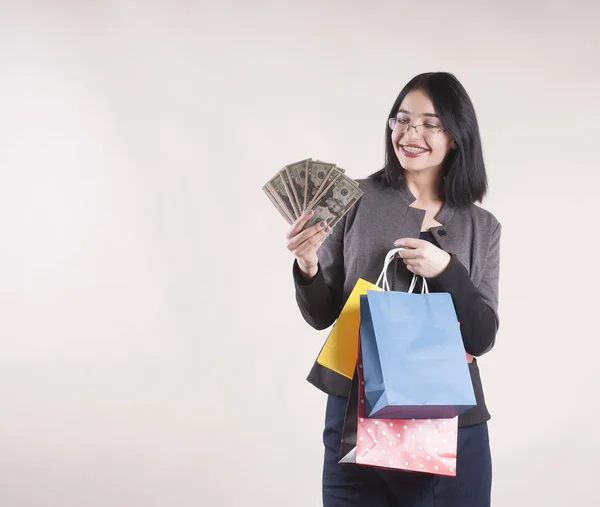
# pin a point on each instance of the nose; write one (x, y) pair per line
(410, 129)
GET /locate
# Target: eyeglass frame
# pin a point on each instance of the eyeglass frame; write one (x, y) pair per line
(440, 129)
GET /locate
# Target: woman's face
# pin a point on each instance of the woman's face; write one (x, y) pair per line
(425, 149)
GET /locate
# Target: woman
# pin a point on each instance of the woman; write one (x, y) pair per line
(424, 200)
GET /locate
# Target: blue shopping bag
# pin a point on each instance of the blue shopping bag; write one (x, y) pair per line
(414, 362)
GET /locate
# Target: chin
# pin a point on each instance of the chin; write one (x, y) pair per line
(420, 168)
(414, 165)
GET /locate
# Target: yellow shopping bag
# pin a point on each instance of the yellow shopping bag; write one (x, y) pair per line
(340, 351)
(334, 368)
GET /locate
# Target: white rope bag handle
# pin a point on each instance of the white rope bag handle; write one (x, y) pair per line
(383, 280)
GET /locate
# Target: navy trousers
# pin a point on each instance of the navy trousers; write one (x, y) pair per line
(351, 485)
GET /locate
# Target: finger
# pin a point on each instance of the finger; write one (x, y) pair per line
(410, 254)
(311, 245)
(297, 240)
(409, 242)
(299, 224)
(415, 267)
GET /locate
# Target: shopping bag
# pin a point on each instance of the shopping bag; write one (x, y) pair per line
(414, 358)
(418, 445)
(336, 362)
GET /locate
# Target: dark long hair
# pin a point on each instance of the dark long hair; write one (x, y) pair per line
(464, 177)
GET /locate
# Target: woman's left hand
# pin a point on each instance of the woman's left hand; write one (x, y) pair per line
(422, 258)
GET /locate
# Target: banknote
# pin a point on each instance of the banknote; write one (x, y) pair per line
(331, 177)
(278, 205)
(317, 172)
(290, 192)
(312, 185)
(335, 201)
(298, 172)
(278, 189)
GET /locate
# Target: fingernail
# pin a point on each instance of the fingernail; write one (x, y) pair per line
(328, 230)
(322, 224)
(311, 213)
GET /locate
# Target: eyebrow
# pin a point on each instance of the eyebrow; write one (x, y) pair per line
(429, 115)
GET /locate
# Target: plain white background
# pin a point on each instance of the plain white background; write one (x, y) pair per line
(151, 353)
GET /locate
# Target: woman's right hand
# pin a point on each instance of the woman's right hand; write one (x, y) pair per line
(304, 244)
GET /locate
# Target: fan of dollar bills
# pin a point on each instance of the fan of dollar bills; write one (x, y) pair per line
(312, 185)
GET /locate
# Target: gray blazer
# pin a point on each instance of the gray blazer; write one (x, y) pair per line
(357, 246)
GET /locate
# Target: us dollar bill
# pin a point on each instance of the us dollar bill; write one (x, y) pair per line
(278, 206)
(298, 172)
(278, 189)
(287, 184)
(317, 173)
(321, 162)
(333, 175)
(335, 202)
(317, 185)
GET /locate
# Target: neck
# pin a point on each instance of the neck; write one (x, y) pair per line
(425, 186)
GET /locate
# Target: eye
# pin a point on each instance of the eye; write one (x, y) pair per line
(431, 126)
(402, 122)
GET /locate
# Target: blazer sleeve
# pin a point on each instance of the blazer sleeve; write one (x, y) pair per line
(476, 307)
(320, 300)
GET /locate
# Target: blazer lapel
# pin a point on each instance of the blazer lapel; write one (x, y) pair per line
(447, 235)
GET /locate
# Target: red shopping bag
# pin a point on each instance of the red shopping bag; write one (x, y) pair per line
(418, 445)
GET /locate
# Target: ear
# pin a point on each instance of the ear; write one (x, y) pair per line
(453, 145)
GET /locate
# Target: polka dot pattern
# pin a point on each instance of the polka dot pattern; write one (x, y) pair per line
(421, 445)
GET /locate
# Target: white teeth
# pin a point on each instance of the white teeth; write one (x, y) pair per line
(412, 149)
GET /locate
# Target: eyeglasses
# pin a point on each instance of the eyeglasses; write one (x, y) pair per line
(429, 129)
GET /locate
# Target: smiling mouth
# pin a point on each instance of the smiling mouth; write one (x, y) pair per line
(412, 150)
